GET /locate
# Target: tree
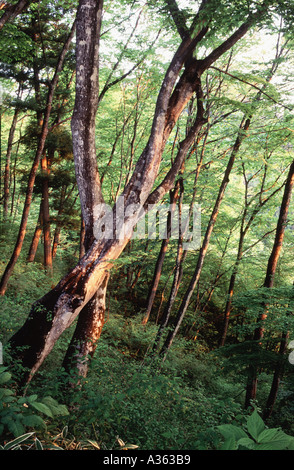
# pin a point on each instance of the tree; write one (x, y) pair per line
(269, 283)
(39, 152)
(57, 310)
(11, 11)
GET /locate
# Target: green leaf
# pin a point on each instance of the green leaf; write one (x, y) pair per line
(15, 427)
(274, 439)
(229, 444)
(255, 425)
(4, 377)
(42, 408)
(229, 430)
(55, 407)
(38, 444)
(247, 443)
(17, 441)
(34, 421)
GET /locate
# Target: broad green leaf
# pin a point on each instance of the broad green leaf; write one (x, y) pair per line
(229, 430)
(229, 444)
(42, 408)
(34, 421)
(55, 407)
(15, 427)
(274, 439)
(268, 434)
(255, 425)
(32, 398)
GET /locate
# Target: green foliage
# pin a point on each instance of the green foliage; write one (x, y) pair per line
(18, 413)
(255, 436)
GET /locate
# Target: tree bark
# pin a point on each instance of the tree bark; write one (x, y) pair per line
(7, 163)
(36, 237)
(46, 214)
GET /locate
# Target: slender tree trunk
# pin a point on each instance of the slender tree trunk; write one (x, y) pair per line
(14, 181)
(203, 250)
(163, 249)
(31, 181)
(251, 388)
(181, 256)
(13, 10)
(175, 284)
(46, 214)
(228, 307)
(36, 237)
(7, 163)
(58, 223)
(276, 378)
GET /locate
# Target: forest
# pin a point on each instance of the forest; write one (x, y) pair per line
(147, 222)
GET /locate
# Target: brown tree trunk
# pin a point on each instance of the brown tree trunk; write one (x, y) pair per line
(58, 223)
(163, 249)
(269, 279)
(31, 181)
(7, 163)
(46, 214)
(36, 237)
(91, 317)
(276, 378)
(228, 306)
(12, 11)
